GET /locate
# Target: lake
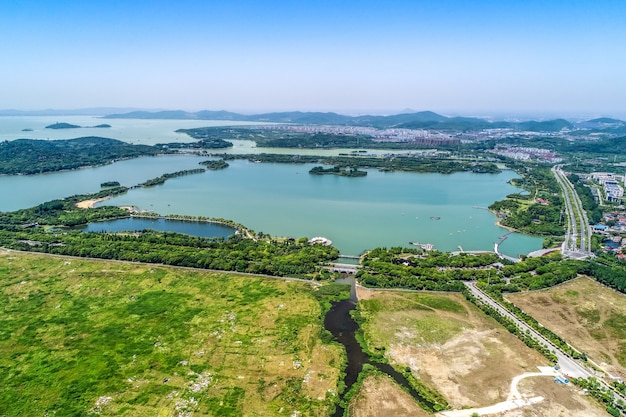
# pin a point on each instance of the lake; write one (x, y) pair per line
(381, 209)
(202, 229)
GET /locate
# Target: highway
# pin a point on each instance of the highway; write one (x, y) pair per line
(567, 365)
(577, 242)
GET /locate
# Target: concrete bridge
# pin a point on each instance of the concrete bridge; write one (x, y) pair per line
(344, 268)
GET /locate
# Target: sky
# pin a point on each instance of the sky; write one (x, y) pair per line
(471, 57)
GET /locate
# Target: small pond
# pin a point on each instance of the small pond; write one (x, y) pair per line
(193, 228)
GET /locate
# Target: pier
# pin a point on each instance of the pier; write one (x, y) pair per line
(501, 255)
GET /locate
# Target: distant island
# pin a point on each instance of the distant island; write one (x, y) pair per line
(71, 126)
(215, 165)
(62, 126)
(27, 130)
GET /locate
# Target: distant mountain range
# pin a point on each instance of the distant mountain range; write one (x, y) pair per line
(409, 120)
(417, 120)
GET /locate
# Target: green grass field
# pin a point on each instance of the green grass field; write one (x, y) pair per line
(81, 337)
(418, 313)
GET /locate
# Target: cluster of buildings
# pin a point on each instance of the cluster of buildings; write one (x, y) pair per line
(613, 192)
(614, 224)
(421, 136)
(527, 154)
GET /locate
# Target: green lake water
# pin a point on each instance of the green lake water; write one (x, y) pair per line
(381, 209)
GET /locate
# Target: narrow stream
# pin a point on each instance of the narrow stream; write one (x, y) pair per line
(340, 323)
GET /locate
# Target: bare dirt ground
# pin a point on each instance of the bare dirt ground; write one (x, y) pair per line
(380, 396)
(474, 364)
(560, 400)
(588, 315)
(90, 203)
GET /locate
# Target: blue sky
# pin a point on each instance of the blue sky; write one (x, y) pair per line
(477, 57)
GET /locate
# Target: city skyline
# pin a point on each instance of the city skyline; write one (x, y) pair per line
(482, 59)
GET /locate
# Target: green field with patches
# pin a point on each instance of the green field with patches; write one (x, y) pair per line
(419, 314)
(588, 315)
(81, 337)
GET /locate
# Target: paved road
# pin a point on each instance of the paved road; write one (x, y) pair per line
(567, 365)
(577, 242)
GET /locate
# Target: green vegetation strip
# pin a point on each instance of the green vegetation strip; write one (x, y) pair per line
(161, 180)
(84, 337)
(396, 163)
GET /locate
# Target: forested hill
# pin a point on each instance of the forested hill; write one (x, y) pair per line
(417, 120)
(30, 156)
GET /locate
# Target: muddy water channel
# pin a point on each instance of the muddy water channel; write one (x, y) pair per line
(340, 323)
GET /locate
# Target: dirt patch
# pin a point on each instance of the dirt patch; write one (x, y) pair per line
(363, 293)
(559, 400)
(588, 315)
(380, 396)
(473, 362)
(90, 203)
(473, 369)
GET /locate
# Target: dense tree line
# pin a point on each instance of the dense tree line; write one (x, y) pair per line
(339, 171)
(29, 156)
(397, 163)
(414, 269)
(288, 258)
(612, 275)
(207, 143)
(215, 165)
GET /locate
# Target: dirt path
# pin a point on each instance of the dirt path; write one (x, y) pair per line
(514, 400)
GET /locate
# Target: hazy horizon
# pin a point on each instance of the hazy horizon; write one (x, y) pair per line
(493, 116)
(484, 59)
